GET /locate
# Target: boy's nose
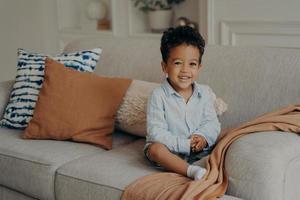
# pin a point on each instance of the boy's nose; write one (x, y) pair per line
(184, 68)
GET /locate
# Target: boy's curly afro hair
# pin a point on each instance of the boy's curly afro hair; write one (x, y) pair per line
(174, 37)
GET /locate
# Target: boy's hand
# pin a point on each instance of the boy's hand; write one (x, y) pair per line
(198, 143)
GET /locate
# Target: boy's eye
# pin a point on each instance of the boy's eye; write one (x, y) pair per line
(193, 65)
(177, 63)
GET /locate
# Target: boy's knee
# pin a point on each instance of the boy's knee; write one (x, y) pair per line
(156, 150)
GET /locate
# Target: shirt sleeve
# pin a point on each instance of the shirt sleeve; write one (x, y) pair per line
(157, 127)
(210, 126)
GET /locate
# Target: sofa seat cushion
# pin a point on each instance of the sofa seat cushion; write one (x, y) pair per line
(264, 165)
(8, 194)
(104, 176)
(29, 166)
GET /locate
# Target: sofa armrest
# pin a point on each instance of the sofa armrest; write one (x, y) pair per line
(5, 89)
(264, 165)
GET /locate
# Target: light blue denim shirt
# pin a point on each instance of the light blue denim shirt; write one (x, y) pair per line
(172, 121)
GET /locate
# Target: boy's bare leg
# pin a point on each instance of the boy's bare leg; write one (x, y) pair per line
(161, 154)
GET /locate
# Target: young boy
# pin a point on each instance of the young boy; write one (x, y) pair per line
(182, 124)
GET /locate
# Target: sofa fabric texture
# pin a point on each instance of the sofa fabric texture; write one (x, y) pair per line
(251, 80)
(118, 167)
(270, 158)
(29, 166)
(8, 194)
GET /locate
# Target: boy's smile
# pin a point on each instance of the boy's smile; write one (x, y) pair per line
(182, 67)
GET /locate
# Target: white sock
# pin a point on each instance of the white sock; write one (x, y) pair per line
(195, 172)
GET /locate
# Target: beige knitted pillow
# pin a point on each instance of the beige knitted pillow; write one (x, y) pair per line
(131, 115)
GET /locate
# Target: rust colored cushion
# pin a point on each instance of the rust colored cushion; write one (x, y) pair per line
(76, 106)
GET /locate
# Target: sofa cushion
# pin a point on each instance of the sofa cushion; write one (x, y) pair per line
(76, 106)
(29, 79)
(8, 194)
(104, 175)
(131, 115)
(263, 159)
(29, 166)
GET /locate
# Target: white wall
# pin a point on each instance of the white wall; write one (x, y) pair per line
(33, 25)
(257, 22)
(28, 24)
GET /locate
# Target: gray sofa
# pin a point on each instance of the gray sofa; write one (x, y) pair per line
(251, 80)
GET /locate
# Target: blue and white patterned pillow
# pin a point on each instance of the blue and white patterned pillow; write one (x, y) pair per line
(29, 79)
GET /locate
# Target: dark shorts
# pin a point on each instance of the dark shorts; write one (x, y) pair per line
(193, 157)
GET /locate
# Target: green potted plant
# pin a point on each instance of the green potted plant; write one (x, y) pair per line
(159, 12)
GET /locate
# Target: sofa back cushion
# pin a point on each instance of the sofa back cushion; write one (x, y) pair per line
(251, 80)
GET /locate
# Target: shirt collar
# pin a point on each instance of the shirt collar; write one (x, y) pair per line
(170, 90)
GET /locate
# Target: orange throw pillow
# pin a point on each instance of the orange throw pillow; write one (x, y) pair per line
(78, 106)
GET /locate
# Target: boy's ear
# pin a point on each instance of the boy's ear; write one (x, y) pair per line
(163, 66)
(200, 68)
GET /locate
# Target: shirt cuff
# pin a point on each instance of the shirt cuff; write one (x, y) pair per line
(185, 146)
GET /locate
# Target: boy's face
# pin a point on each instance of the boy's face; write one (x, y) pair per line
(182, 67)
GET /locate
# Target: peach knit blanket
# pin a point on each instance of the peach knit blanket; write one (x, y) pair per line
(161, 186)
